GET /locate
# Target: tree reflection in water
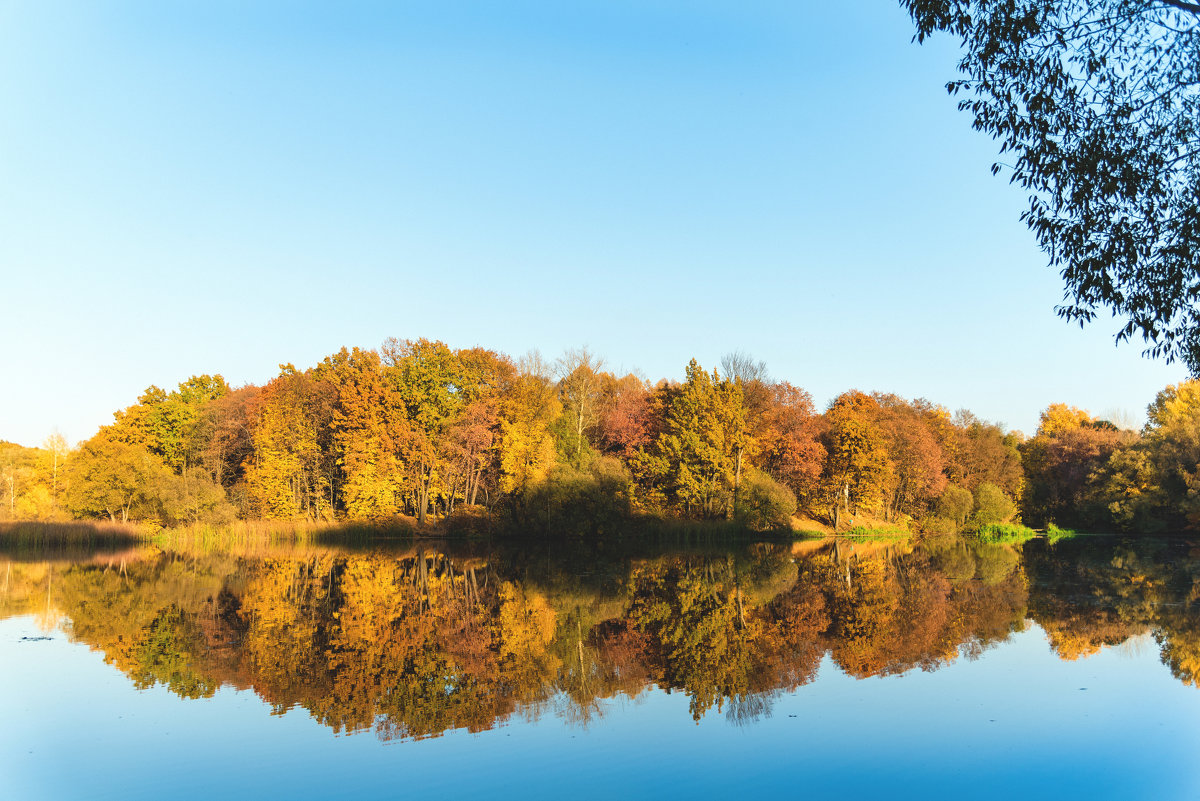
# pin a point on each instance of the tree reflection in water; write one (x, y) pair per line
(415, 642)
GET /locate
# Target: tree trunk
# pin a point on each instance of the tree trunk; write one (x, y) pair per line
(475, 486)
(737, 481)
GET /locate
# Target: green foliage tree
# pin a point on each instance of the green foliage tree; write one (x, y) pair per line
(991, 505)
(164, 423)
(1172, 444)
(956, 504)
(765, 503)
(1098, 105)
(1126, 492)
(704, 443)
(431, 381)
(167, 652)
(109, 477)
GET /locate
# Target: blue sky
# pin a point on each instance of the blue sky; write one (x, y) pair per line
(197, 187)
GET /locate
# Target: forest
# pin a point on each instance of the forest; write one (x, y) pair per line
(421, 435)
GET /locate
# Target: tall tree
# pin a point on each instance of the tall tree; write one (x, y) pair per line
(704, 442)
(978, 452)
(528, 409)
(915, 456)
(579, 387)
(856, 460)
(1172, 440)
(790, 440)
(370, 430)
(470, 445)
(291, 472)
(56, 448)
(164, 422)
(429, 377)
(222, 438)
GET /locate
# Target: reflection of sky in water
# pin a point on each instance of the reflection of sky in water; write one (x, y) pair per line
(1017, 723)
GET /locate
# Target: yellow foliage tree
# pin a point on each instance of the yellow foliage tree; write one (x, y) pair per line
(526, 444)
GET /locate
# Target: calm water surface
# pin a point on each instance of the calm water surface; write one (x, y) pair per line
(811, 670)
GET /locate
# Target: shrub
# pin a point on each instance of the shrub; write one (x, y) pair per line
(955, 505)
(572, 501)
(939, 526)
(764, 503)
(991, 505)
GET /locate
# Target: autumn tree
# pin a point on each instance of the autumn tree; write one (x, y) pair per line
(856, 460)
(527, 411)
(1157, 481)
(291, 472)
(915, 457)
(705, 442)
(370, 431)
(627, 420)
(470, 445)
(978, 451)
(163, 422)
(789, 438)
(429, 378)
(755, 380)
(579, 389)
(222, 438)
(1068, 447)
(24, 483)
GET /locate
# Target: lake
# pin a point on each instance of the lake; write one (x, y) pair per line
(814, 669)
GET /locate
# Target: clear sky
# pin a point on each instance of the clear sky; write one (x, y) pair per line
(222, 186)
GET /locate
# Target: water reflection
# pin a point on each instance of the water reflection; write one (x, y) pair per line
(416, 641)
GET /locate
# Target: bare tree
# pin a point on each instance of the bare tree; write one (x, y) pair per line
(578, 374)
(57, 445)
(533, 363)
(741, 366)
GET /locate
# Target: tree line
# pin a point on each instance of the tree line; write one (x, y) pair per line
(419, 431)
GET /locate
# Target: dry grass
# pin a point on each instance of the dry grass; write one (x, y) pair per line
(77, 532)
(28, 541)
